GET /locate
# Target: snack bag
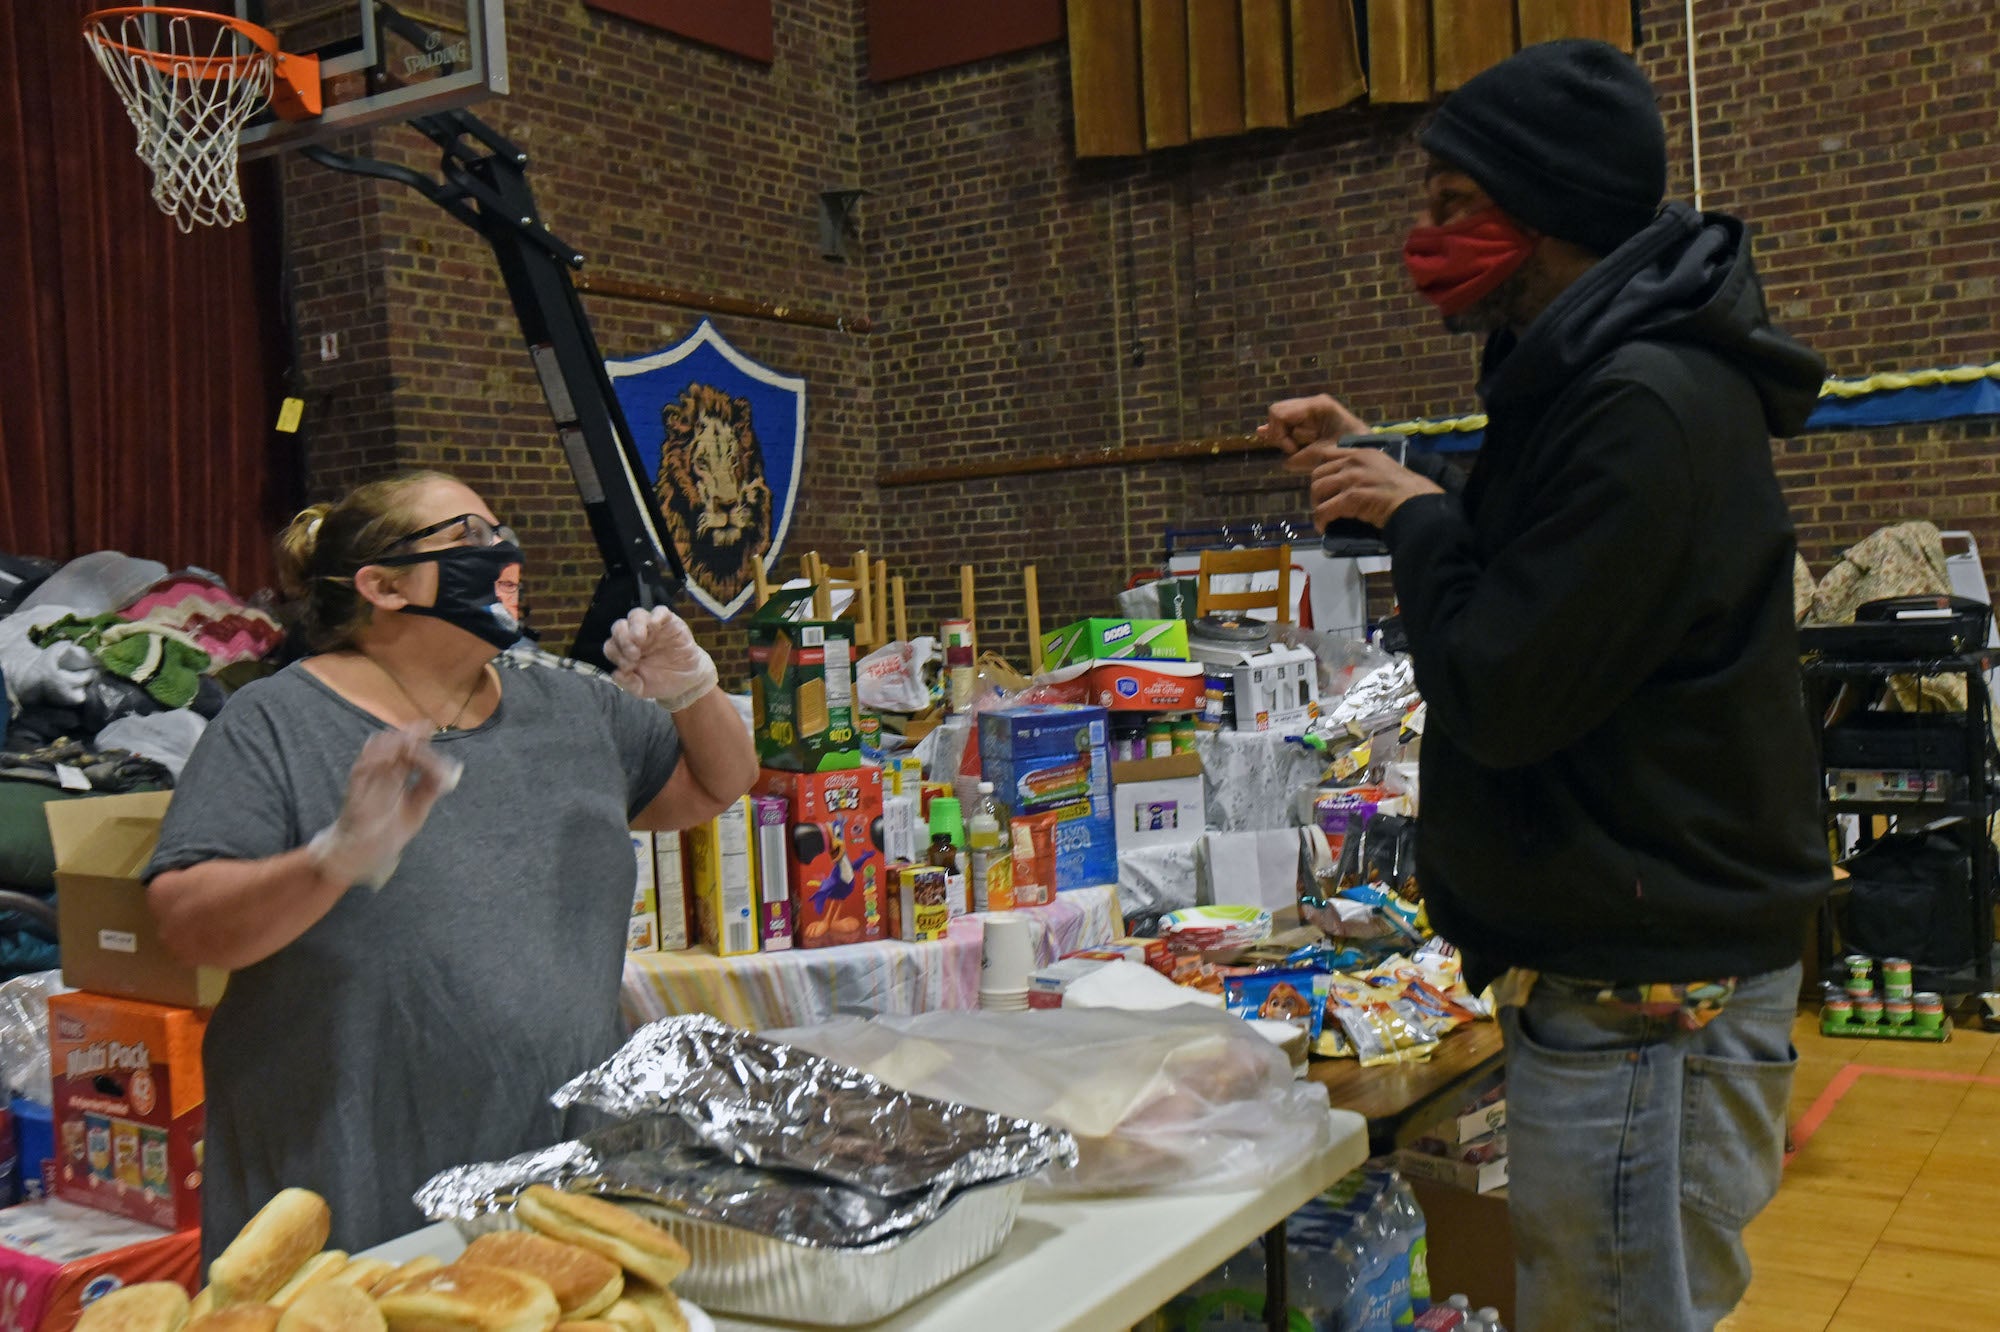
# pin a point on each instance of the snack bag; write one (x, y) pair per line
(1034, 845)
(1383, 1028)
(1281, 996)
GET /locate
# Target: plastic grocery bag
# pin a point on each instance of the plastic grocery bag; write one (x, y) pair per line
(24, 1034)
(891, 678)
(1183, 1100)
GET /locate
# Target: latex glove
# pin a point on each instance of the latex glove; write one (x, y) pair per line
(57, 676)
(390, 791)
(656, 657)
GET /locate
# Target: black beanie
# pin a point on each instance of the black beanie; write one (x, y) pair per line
(1565, 136)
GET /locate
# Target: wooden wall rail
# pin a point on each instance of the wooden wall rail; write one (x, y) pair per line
(1187, 450)
(651, 294)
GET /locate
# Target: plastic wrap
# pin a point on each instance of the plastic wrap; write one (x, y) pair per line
(891, 678)
(1182, 1100)
(24, 1034)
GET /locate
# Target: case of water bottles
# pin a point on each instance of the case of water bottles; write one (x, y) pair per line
(1356, 1261)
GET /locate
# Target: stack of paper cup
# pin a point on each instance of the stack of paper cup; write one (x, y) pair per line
(1007, 956)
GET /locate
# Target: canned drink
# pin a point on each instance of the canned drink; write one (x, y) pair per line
(1930, 1011)
(1860, 987)
(1868, 1011)
(1860, 965)
(1838, 1009)
(1897, 982)
(1898, 1012)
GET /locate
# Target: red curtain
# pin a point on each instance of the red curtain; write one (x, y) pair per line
(142, 367)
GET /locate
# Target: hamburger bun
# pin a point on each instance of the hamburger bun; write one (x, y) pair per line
(363, 1273)
(606, 1229)
(661, 1307)
(585, 1283)
(470, 1299)
(291, 1228)
(332, 1306)
(318, 1268)
(151, 1306)
(415, 1267)
(627, 1317)
(238, 1318)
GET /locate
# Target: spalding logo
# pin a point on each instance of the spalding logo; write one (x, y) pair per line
(1127, 688)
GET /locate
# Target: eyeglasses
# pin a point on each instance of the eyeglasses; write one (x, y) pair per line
(468, 529)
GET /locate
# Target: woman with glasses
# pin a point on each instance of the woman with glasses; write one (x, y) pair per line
(417, 866)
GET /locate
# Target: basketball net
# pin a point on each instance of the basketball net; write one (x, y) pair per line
(189, 82)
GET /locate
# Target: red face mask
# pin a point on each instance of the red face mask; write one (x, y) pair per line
(1458, 263)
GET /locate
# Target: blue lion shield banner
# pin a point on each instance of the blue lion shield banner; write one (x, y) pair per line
(723, 442)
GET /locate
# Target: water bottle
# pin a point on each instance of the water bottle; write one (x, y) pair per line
(1489, 1320)
(1408, 1219)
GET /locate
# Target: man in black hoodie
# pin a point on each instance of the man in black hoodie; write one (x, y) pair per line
(1620, 816)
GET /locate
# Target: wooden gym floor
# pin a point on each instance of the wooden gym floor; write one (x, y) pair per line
(1890, 1211)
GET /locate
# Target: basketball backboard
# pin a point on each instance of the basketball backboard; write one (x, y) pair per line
(381, 62)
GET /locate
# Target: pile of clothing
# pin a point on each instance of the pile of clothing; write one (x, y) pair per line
(111, 667)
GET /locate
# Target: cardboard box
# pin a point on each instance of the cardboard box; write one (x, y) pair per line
(111, 944)
(1047, 986)
(774, 874)
(1053, 758)
(129, 1107)
(670, 890)
(838, 873)
(900, 842)
(56, 1257)
(923, 903)
(802, 688)
(1468, 1128)
(1469, 1176)
(1471, 1245)
(642, 932)
(1148, 686)
(1115, 640)
(722, 880)
(1159, 801)
(1273, 690)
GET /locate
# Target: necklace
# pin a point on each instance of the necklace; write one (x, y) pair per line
(425, 712)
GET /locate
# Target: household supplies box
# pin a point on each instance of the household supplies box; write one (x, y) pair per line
(56, 1256)
(774, 873)
(642, 932)
(1115, 640)
(1159, 801)
(1052, 757)
(1047, 986)
(1148, 686)
(110, 944)
(722, 878)
(802, 688)
(839, 874)
(1276, 689)
(670, 890)
(129, 1107)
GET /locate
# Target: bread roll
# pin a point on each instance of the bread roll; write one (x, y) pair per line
(585, 1283)
(363, 1273)
(470, 1299)
(589, 1325)
(238, 1318)
(627, 1317)
(151, 1306)
(318, 1268)
(635, 1244)
(332, 1306)
(203, 1306)
(415, 1267)
(661, 1307)
(291, 1228)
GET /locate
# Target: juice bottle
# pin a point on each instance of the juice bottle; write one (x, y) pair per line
(992, 863)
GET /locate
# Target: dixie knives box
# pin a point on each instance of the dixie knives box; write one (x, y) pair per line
(1045, 757)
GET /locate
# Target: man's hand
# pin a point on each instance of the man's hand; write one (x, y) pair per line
(1362, 483)
(1297, 422)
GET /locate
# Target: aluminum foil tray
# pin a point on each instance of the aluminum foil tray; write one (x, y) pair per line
(737, 1272)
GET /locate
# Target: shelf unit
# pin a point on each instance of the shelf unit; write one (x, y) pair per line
(1975, 800)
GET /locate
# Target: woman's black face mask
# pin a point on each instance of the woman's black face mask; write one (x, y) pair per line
(468, 593)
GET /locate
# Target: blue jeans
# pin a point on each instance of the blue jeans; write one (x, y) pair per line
(1639, 1152)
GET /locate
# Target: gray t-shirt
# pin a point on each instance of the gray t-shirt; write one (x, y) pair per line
(422, 1026)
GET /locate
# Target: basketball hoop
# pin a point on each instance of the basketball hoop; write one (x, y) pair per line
(189, 81)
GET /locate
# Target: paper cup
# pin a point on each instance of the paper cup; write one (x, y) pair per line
(1010, 1001)
(1007, 956)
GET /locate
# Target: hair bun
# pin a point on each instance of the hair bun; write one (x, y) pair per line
(297, 545)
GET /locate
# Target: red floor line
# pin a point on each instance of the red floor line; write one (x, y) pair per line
(1843, 1082)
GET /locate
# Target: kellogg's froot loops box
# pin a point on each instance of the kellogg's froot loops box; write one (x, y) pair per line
(129, 1107)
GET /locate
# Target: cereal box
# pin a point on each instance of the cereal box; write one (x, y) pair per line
(670, 889)
(774, 886)
(642, 932)
(129, 1107)
(923, 902)
(802, 688)
(838, 871)
(722, 878)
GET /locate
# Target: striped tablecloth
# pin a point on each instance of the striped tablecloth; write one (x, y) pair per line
(799, 987)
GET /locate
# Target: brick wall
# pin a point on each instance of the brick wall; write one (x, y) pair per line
(1029, 302)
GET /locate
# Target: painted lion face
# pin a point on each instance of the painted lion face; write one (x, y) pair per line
(712, 490)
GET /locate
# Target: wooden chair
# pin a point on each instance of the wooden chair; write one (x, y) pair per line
(1224, 563)
(762, 583)
(856, 578)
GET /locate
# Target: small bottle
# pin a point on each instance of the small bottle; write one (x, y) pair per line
(991, 865)
(947, 839)
(1489, 1320)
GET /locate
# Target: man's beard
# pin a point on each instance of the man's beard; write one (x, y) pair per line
(1496, 309)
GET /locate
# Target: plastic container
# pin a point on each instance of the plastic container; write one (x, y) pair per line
(990, 867)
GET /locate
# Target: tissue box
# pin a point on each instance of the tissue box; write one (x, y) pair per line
(1115, 640)
(129, 1107)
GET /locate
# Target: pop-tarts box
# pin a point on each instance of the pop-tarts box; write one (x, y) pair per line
(1044, 757)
